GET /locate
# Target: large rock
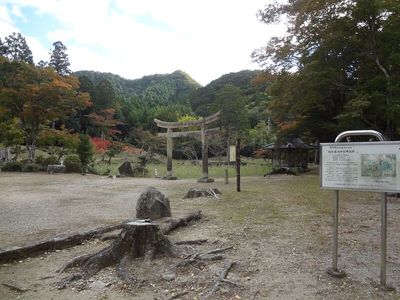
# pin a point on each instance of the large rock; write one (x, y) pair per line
(56, 169)
(125, 169)
(152, 204)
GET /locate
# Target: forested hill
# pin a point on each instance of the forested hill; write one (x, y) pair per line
(157, 89)
(203, 99)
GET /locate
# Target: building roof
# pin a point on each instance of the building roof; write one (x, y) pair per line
(295, 143)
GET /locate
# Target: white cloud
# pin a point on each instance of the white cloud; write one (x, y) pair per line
(39, 52)
(6, 23)
(133, 38)
(17, 12)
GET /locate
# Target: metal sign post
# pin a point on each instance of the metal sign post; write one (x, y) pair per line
(334, 271)
(237, 165)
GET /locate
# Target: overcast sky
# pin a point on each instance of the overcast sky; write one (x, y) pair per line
(133, 38)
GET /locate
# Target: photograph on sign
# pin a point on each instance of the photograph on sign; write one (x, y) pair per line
(372, 166)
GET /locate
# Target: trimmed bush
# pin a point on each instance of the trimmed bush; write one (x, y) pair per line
(39, 160)
(73, 164)
(32, 168)
(50, 160)
(12, 166)
(45, 161)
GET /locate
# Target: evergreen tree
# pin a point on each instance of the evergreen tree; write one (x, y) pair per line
(42, 64)
(16, 48)
(234, 117)
(3, 48)
(59, 59)
(85, 150)
(103, 96)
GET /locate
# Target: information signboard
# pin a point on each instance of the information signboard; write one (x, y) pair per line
(232, 153)
(370, 166)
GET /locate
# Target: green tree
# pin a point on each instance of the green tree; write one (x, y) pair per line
(103, 96)
(234, 117)
(85, 150)
(3, 48)
(59, 59)
(16, 48)
(12, 136)
(59, 142)
(42, 64)
(336, 68)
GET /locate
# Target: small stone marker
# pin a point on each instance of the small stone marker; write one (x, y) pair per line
(126, 169)
(56, 169)
(152, 204)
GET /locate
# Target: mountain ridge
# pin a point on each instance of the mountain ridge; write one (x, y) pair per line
(167, 88)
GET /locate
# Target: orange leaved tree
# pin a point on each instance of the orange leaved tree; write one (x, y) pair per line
(36, 97)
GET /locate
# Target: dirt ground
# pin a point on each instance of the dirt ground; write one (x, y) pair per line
(280, 229)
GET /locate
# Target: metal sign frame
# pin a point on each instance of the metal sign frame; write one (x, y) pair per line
(334, 271)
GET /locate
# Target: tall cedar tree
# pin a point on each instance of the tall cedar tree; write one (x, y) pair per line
(15, 48)
(59, 59)
(234, 117)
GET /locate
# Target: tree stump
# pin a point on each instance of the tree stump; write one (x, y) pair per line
(137, 239)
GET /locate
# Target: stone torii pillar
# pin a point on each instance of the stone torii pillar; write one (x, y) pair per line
(170, 134)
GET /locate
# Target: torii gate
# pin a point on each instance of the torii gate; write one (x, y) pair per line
(203, 122)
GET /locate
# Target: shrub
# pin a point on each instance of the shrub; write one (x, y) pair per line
(39, 160)
(12, 166)
(31, 168)
(73, 164)
(50, 160)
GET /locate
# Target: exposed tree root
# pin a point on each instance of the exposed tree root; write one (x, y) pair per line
(67, 280)
(192, 242)
(197, 257)
(222, 277)
(14, 287)
(172, 224)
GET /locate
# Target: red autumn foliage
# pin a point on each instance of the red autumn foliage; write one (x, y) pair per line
(100, 146)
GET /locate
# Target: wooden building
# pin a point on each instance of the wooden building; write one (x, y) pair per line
(291, 153)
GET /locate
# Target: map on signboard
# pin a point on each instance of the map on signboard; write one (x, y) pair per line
(378, 165)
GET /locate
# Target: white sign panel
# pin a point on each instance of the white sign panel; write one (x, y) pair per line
(372, 166)
(232, 153)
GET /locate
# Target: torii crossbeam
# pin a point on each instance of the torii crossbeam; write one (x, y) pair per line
(170, 134)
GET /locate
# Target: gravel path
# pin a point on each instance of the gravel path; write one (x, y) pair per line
(44, 205)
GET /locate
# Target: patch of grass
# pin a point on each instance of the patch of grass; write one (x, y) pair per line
(280, 199)
(187, 170)
(184, 169)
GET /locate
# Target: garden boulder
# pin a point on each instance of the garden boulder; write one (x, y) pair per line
(125, 169)
(152, 204)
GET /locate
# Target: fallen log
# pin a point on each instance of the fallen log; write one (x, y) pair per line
(56, 243)
(67, 241)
